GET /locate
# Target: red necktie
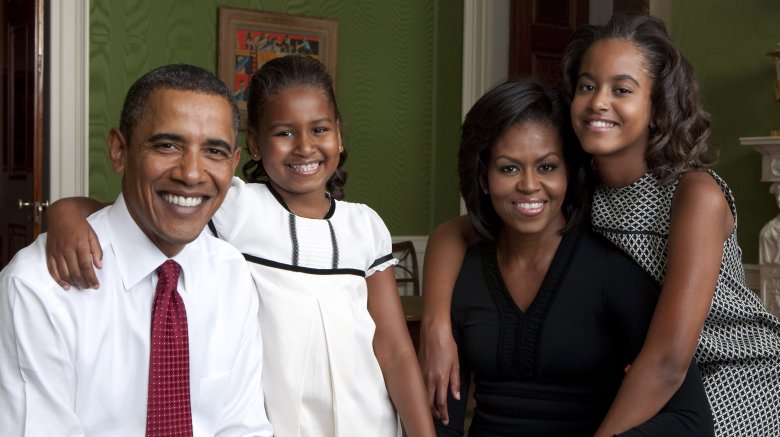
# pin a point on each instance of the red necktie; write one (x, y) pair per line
(168, 410)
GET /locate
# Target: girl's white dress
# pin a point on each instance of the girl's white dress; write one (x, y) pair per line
(320, 375)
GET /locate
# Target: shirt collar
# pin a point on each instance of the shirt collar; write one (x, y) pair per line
(136, 256)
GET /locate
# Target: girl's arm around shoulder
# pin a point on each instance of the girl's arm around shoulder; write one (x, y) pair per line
(72, 247)
(395, 354)
(700, 222)
(438, 354)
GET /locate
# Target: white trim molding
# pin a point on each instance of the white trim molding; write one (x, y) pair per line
(485, 47)
(68, 47)
(485, 50)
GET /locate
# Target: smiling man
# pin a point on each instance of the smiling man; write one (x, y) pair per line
(170, 344)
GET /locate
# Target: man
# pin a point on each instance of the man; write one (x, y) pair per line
(170, 344)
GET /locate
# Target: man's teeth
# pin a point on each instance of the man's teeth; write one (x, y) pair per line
(600, 123)
(305, 167)
(183, 201)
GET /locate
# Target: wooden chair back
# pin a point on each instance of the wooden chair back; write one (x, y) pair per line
(406, 271)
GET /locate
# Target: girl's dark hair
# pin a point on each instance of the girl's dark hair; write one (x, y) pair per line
(280, 74)
(679, 126)
(509, 104)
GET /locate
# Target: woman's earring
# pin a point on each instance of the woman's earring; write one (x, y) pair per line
(485, 190)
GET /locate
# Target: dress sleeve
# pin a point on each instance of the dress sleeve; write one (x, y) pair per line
(382, 245)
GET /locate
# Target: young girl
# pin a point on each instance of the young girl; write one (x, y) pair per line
(337, 352)
(635, 108)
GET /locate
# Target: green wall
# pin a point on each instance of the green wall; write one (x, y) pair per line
(726, 41)
(399, 89)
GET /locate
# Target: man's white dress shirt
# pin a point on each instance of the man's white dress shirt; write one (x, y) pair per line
(77, 362)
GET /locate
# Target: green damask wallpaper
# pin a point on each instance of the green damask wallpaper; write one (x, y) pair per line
(726, 42)
(399, 89)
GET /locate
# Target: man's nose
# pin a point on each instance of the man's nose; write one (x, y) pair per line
(190, 168)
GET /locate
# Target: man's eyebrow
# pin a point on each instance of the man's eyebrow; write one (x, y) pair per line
(176, 138)
(166, 136)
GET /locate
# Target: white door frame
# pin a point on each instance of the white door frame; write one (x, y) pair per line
(68, 68)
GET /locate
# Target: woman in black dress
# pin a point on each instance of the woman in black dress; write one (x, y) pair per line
(546, 314)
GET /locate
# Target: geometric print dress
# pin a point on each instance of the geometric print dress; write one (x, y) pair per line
(739, 348)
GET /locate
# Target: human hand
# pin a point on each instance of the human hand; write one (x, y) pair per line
(438, 358)
(72, 249)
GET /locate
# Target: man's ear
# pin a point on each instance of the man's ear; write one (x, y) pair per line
(117, 149)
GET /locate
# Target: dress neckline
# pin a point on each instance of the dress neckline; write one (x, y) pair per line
(278, 197)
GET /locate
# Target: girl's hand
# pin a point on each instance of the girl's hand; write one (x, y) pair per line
(72, 247)
(438, 353)
(438, 358)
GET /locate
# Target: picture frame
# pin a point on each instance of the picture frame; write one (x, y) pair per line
(249, 38)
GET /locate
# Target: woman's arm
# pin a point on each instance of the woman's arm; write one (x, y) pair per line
(700, 222)
(395, 353)
(444, 255)
(72, 248)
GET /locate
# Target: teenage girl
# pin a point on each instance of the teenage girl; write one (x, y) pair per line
(338, 357)
(635, 107)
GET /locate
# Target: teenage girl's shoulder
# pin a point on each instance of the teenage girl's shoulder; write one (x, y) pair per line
(699, 190)
(700, 195)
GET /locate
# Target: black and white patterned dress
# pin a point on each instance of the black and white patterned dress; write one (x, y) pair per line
(739, 348)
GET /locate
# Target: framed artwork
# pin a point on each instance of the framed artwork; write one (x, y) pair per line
(249, 38)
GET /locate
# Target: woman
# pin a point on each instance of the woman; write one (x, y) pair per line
(546, 314)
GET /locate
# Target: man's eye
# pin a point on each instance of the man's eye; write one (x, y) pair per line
(215, 151)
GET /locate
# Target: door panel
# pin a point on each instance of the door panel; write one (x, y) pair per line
(539, 31)
(22, 125)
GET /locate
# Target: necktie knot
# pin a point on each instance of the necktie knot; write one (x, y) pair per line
(168, 276)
